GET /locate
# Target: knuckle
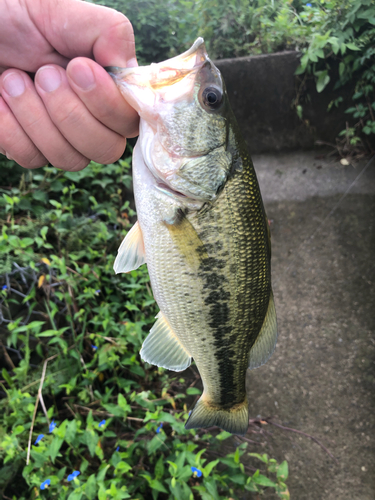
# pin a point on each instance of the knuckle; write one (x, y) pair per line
(69, 159)
(112, 153)
(35, 160)
(69, 116)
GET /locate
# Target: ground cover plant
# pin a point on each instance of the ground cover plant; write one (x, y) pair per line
(81, 416)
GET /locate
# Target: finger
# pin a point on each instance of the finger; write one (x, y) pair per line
(22, 45)
(84, 132)
(26, 105)
(99, 93)
(15, 143)
(83, 29)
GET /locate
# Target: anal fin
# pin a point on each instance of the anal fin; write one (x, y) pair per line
(265, 343)
(131, 253)
(163, 348)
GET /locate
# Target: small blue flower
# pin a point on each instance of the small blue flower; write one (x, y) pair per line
(4, 287)
(196, 472)
(159, 428)
(94, 347)
(118, 448)
(39, 438)
(101, 423)
(308, 5)
(45, 484)
(97, 292)
(73, 475)
(52, 426)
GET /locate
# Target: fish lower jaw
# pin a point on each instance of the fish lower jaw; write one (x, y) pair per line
(166, 189)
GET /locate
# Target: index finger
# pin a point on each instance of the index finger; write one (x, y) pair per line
(77, 28)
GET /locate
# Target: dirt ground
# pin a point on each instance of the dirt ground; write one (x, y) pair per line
(321, 378)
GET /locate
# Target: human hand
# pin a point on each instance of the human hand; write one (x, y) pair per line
(72, 112)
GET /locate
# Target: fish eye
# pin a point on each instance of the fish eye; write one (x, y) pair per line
(212, 97)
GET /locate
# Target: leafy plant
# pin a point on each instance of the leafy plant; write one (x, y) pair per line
(80, 415)
(341, 35)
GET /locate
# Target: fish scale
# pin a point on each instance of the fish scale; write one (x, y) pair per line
(203, 232)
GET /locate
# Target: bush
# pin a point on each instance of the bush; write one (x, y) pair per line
(329, 34)
(343, 34)
(80, 415)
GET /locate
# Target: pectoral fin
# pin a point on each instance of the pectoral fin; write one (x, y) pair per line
(131, 253)
(186, 239)
(163, 348)
(266, 342)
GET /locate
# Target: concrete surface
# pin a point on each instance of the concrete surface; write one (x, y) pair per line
(261, 91)
(321, 378)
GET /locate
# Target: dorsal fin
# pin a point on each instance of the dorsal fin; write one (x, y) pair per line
(265, 343)
(131, 253)
(163, 348)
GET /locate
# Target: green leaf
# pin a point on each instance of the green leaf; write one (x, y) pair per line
(191, 391)
(123, 467)
(157, 485)
(223, 435)
(75, 495)
(236, 457)
(155, 443)
(282, 470)
(102, 473)
(90, 487)
(40, 196)
(56, 186)
(238, 478)
(208, 469)
(159, 468)
(91, 439)
(322, 81)
(18, 430)
(114, 409)
(264, 481)
(7, 377)
(210, 484)
(262, 458)
(55, 447)
(351, 46)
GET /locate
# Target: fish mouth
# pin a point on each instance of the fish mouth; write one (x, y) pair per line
(165, 189)
(168, 81)
(165, 73)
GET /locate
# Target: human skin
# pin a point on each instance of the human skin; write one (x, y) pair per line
(57, 103)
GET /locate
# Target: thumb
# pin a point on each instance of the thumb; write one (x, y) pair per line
(75, 28)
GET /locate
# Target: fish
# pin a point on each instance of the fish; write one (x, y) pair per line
(203, 232)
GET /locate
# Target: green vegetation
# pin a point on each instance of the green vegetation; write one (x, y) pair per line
(102, 424)
(335, 37)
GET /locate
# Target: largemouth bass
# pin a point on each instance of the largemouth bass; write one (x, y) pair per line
(203, 232)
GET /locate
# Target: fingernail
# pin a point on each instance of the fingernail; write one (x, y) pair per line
(82, 76)
(49, 78)
(132, 63)
(8, 156)
(2, 151)
(14, 84)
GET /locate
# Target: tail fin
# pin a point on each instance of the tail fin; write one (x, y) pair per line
(234, 420)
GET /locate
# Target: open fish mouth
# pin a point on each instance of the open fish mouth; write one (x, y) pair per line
(165, 73)
(145, 87)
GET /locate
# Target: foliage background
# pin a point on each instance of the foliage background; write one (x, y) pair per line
(330, 34)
